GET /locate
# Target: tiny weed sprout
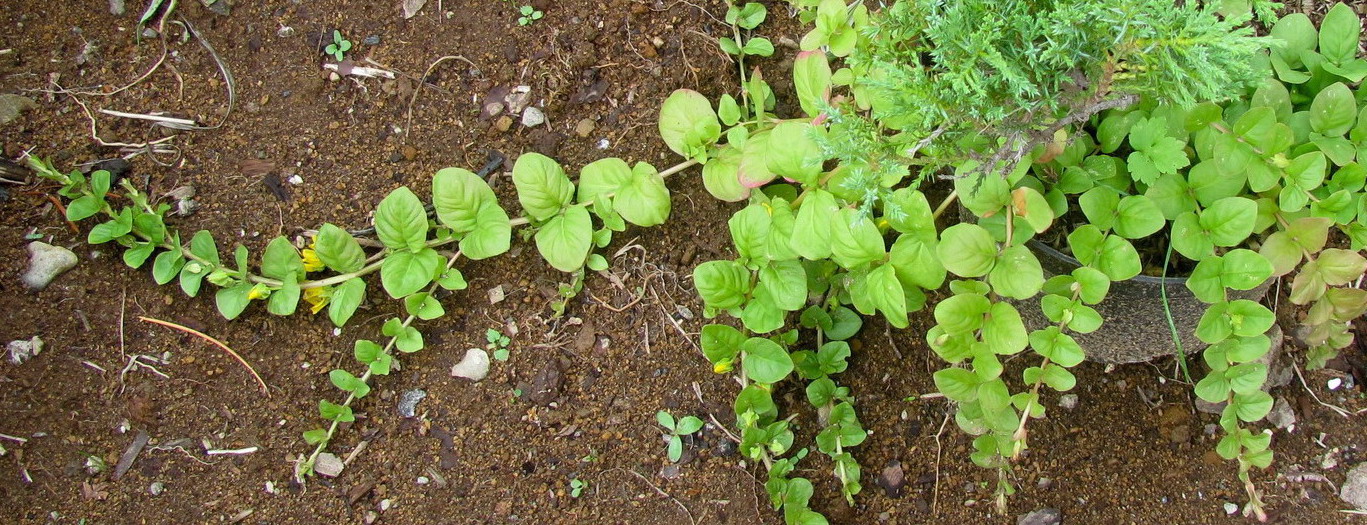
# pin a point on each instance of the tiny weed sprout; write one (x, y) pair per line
(497, 343)
(339, 46)
(577, 487)
(529, 15)
(675, 430)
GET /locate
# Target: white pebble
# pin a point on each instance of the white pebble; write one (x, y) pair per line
(475, 365)
(1334, 383)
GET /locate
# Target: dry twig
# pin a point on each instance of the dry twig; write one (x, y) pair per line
(216, 342)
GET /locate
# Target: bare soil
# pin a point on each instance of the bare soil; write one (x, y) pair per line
(1133, 450)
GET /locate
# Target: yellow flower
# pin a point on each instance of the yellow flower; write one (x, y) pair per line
(723, 367)
(318, 298)
(260, 291)
(311, 261)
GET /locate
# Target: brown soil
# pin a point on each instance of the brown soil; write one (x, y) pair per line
(489, 456)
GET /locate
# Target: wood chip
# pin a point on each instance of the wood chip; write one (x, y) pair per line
(130, 454)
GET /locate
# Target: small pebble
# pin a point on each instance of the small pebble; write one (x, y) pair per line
(22, 350)
(156, 488)
(1334, 383)
(475, 365)
(1231, 508)
(408, 403)
(46, 262)
(1068, 401)
(532, 117)
(422, 480)
(328, 465)
(285, 32)
(372, 40)
(296, 180)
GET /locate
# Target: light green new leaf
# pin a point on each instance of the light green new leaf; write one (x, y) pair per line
(543, 189)
(957, 384)
(643, 199)
(338, 250)
(403, 273)
(885, 291)
(855, 240)
(784, 283)
(688, 125)
(401, 221)
(346, 297)
(812, 228)
(800, 157)
(231, 301)
(281, 260)
(720, 342)
(466, 204)
(967, 250)
(722, 284)
(1244, 269)
(721, 176)
(603, 176)
(1016, 274)
(916, 261)
(1333, 111)
(1003, 330)
(765, 361)
(1137, 216)
(1339, 33)
(750, 231)
(1228, 221)
(285, 300)
(1059, 347)
(812, 80)
(565, 240)
(424, 306)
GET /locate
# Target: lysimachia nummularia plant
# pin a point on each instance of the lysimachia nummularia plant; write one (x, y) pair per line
(567, 220)
(1037, 113)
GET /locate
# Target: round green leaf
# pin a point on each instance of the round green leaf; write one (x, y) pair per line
(765, 361)
(543, 189)
(967, 250)
(401, 221)
(565, 240)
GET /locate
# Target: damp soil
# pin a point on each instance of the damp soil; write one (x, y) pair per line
(1132, 450)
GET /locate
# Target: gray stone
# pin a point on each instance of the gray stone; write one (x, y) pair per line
(408, 402)
(1354, 489)
(475, 365)
(1046, 516)
(328, 465)
(13, 105)
(1281, 415)
(116, 7)
(1068, 401)
(532, 117)
(45, 263)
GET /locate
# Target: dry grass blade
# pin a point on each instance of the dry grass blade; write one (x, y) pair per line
(222, 68)
(216, 342)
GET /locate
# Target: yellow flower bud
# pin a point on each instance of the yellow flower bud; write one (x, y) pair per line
(311, 261)
(260, 291)
(722, 367)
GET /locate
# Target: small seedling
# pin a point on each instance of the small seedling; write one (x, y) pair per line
(577, 487)
(683, 427)
(339, 46)
(590, 457)
(498, 343)
(529, 15)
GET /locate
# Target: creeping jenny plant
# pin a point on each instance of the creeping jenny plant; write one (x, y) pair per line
(1090, 112)
(568, 221)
